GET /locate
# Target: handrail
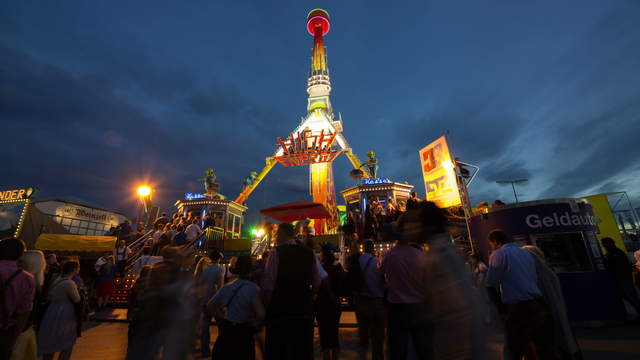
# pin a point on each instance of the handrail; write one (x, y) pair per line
(136, 243)
(137, 247)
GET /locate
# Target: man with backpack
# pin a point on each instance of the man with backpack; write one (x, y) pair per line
(17, 290)
(368, 288)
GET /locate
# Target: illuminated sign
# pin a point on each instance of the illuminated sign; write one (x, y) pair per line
(306, 148)
(369, 181)
(439, 174)
(19, 194)
(191, 196)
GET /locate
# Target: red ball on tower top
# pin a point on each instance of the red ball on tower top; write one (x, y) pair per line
(318, 18)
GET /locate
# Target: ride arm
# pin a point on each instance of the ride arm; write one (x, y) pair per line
(357, 164)
(249, 188)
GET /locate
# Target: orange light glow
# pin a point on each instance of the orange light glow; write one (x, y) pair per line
(143, 190)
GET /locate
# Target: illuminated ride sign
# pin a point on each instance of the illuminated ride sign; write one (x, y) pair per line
(306, 148)
(439, 174)
(191, 196)
(369, 181)
(18, 194)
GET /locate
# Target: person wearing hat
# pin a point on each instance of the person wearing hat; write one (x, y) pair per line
(238, 311)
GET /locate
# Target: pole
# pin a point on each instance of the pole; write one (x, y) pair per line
(513, 185)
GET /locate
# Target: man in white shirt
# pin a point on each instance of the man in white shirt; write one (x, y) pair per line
(193, 231)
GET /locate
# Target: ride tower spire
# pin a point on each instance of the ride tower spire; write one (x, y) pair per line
(318, 82)
(317, 140)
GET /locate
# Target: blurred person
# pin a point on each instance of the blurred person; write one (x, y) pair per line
(454, 304)
(125, 231)
(403, 267)
(193, 230)
(210, 280)
(26, 347)
(120, 256)
(180, 238)
(58, 330)
(133, 306)
(164, 320)
(52, 271)
(162, 243)
(636, 268)
(240, 313)
(618, 264)
(413, 201)
(327, 304)
(291, 276)
(145, 259)
(155, 237)
(369, 303)
(17, 294)
(209, 221)
(173, 230)
(140, 228)
(564, 338)
(106, 277)
(526, 315)
(162, 220)
(102, 259)
(52, 263)
(259, 265)
(478, 270)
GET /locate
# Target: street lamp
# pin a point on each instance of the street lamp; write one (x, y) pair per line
(513, 185)
(144, 192)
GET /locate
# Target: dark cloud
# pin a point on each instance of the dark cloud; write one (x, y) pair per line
(505, 171)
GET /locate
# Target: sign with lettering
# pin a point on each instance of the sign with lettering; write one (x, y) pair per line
(191, 196)
(86, 213)
(18, 194)
(306, 148)
(370, 181)
(439, 173)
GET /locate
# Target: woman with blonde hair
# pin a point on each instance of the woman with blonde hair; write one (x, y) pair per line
(26, 347)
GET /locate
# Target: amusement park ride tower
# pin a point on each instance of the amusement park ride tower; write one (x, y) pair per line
(318, 139)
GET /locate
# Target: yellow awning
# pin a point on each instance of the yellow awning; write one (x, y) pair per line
(64, 242)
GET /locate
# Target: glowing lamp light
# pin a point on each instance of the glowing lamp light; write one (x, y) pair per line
(143, 191)
(257, 232)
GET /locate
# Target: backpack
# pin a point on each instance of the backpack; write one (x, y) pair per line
(6, 316)
(355, 275)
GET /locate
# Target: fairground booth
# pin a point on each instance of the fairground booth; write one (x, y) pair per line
(55, 225)
(566, 231)
(383, 194)
(226, 216)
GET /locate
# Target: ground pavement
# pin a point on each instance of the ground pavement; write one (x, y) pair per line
(108, 341)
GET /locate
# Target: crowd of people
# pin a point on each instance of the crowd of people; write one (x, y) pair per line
(421, 299)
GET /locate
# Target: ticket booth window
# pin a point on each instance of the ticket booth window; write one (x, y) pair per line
(564, 252)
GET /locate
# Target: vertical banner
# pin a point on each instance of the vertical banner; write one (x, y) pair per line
(606, 221)
(439, 173)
